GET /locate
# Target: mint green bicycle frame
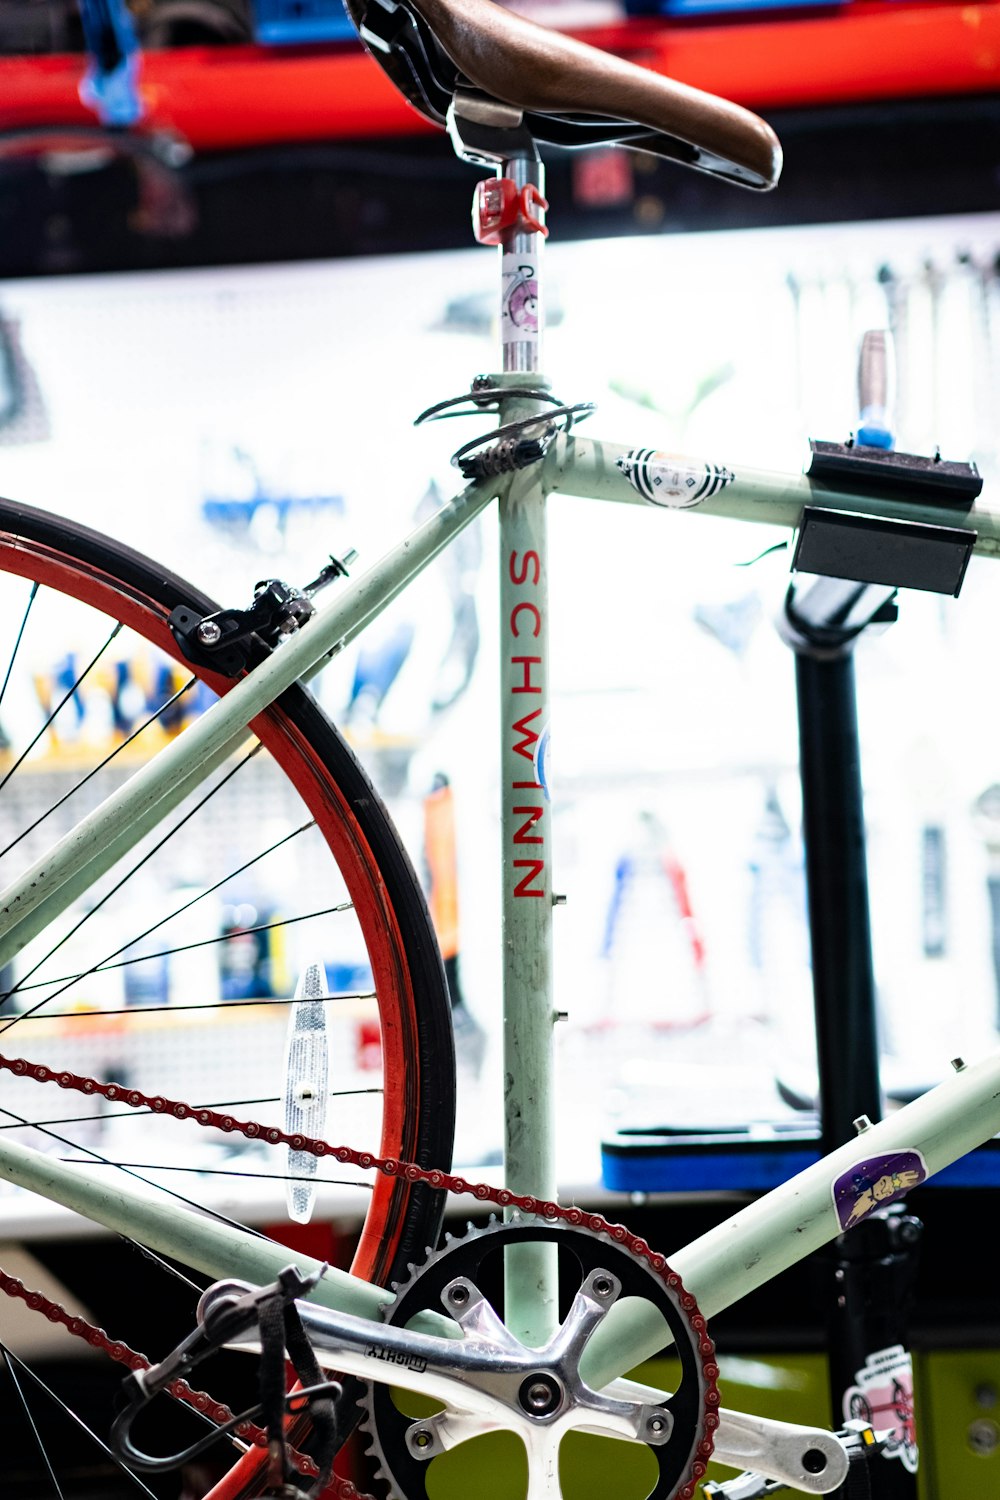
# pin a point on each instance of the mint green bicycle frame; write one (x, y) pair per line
(746, 1250)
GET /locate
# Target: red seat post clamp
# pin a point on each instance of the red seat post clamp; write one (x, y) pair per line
(500, 209)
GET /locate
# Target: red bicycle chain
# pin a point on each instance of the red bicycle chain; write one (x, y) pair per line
(435, 1178)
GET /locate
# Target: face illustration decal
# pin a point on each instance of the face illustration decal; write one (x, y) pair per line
(677, 483)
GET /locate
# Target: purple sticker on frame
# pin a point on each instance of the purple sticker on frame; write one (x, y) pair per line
(874, 1181)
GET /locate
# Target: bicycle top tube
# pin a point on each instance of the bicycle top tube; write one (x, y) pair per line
(569, 94)
(590, 469)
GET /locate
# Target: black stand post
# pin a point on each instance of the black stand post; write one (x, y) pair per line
(873, 1267)
(833, 833)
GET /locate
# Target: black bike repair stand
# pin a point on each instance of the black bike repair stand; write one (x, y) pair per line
(870, 1272)
(846, 571)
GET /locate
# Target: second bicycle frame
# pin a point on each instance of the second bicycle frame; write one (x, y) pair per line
(753, 1245)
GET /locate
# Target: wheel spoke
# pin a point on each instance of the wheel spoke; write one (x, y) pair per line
(217, 885)
(179, 1009)
(17, 643)
(129, 874)
(26, 1408)
(54, 713)
(10, 1356)
(156, 1166)
(99, 767)
(104, 967)
(166, 1266)
(95, 1158)
(139, 1114)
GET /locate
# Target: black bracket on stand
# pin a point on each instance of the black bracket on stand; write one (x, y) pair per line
(897, 553)
(848, 568)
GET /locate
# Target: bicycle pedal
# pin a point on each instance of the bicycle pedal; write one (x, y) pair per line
(748, 1486)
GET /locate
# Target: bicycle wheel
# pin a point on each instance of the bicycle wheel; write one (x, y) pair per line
(299, 821)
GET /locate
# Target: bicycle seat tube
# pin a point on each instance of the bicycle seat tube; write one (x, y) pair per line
(526, 818)
(492, 134)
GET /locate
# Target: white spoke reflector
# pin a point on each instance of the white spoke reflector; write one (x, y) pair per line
(306, 1086)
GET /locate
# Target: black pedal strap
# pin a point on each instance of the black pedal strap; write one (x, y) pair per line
(858, 1484)
(280, 1331)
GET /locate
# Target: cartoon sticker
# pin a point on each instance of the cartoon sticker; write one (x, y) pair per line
(882, 1396)
(875, 1181)
(519, 300)
(668, 480)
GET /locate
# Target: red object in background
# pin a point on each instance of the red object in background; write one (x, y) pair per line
(603, 178)
(863, 51)
(320, 1239)
(221, 98)
(368, 1046)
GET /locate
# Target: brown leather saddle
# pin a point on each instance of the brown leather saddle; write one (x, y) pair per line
(570, 94)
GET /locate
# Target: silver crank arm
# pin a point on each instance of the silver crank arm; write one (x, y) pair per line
(487, 1374)
(478, 1377)
(806, 1458)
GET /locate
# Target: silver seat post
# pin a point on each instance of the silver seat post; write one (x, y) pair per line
(521, 301)
(509, 213)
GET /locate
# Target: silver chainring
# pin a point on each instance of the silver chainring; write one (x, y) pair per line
(677, 1430)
